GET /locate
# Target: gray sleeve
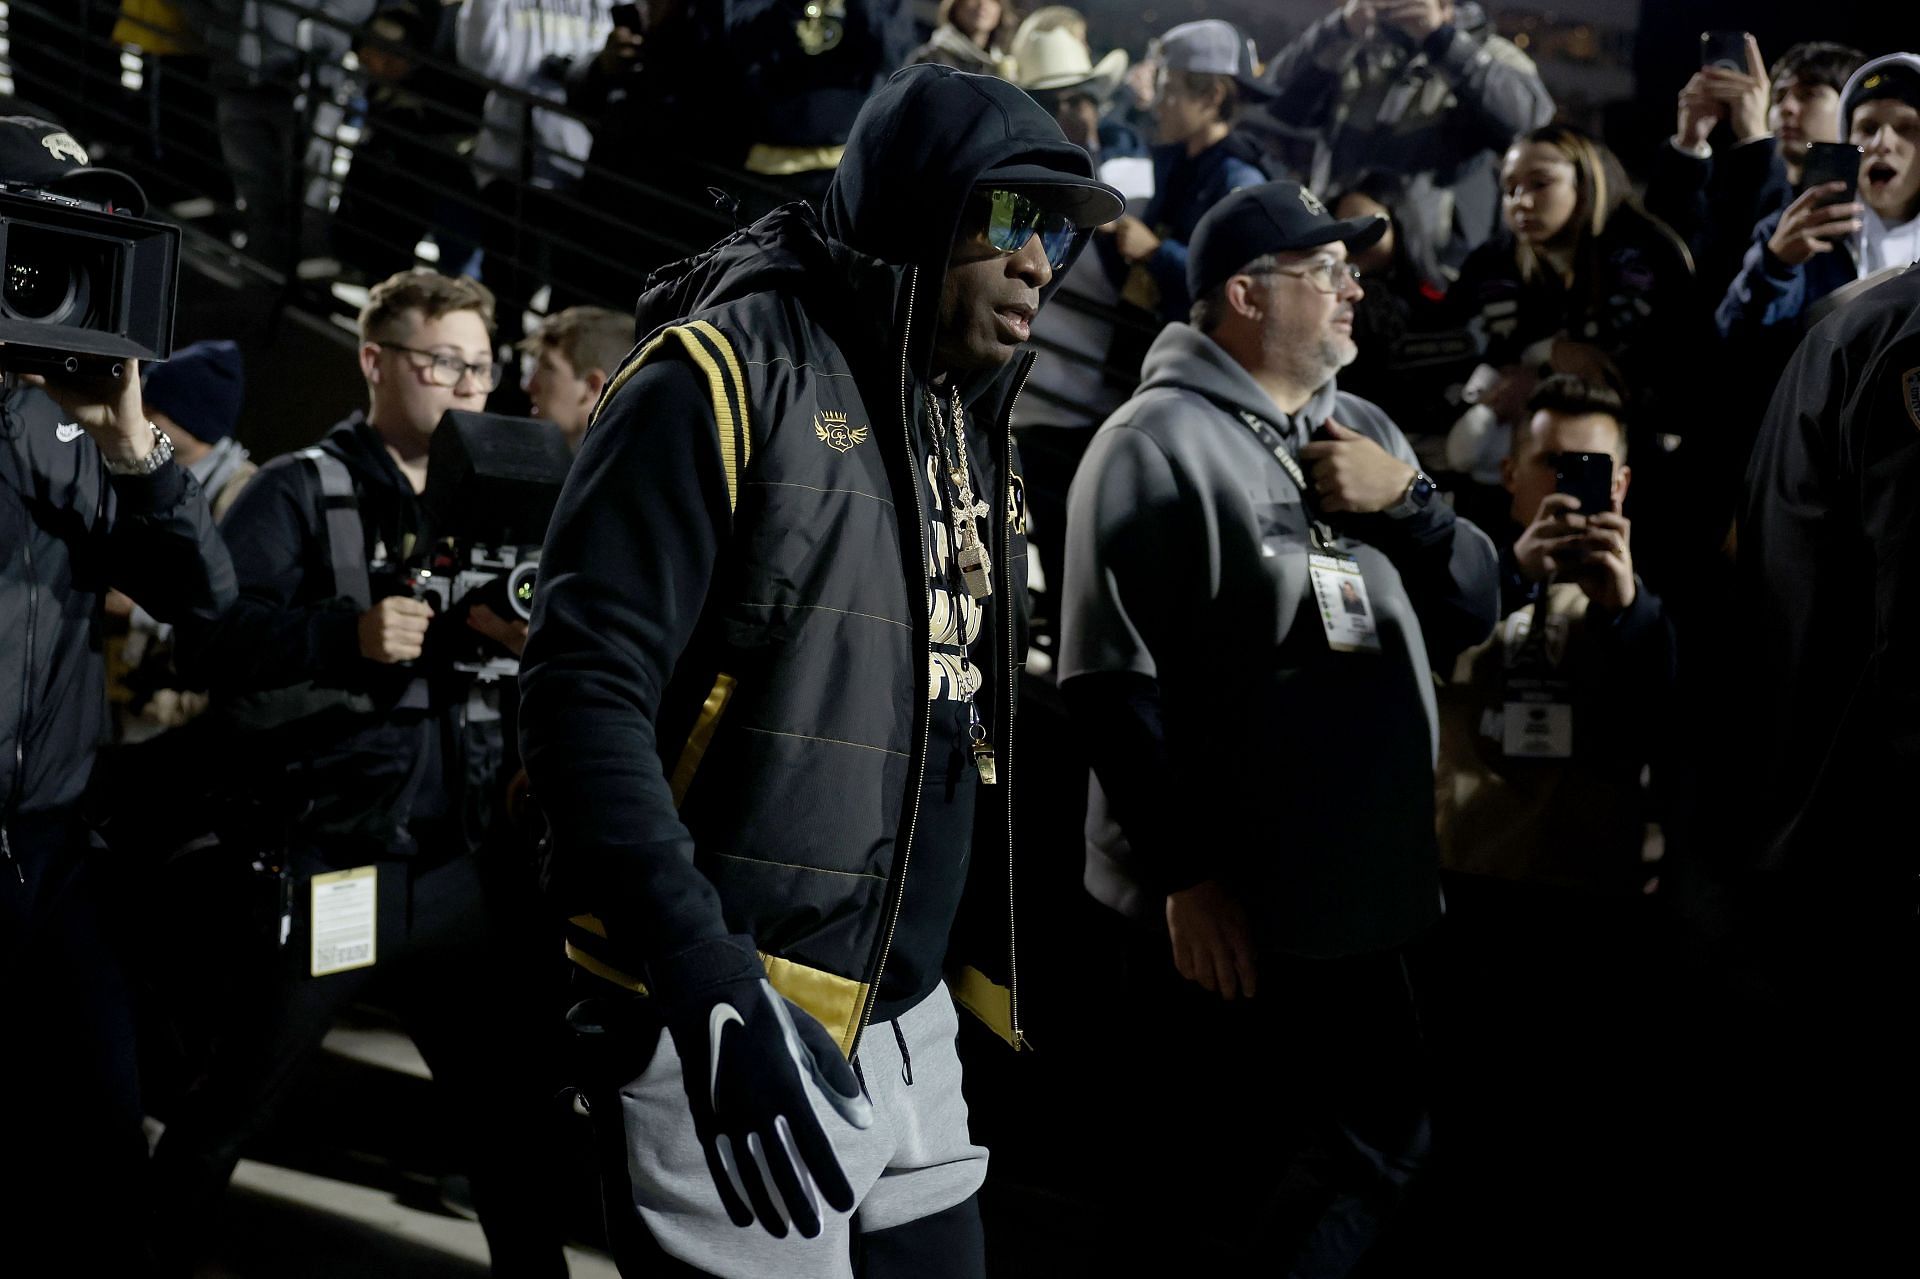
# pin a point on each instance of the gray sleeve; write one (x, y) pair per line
(1131, 541)
(1305, 73)
(1498, 88)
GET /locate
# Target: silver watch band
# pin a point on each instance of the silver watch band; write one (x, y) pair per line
(156, 457)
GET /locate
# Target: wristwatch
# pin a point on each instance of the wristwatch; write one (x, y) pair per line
(158, 456)
(1419, 495)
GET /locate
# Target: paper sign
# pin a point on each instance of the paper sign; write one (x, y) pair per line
(344, 920)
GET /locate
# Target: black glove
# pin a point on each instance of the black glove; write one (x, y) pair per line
(745, 1057)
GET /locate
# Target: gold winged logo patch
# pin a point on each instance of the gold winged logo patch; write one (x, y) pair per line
(61, 146)
(832, 428)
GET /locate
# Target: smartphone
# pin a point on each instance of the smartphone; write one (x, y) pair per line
(628, 17)
(1724, 49)
(1832, 162)
(1588, 477)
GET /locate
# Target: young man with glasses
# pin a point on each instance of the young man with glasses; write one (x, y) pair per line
(769, 700)
(384, 773)
(1262, 752)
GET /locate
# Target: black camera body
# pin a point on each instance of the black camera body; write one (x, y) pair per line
(81, 287)
(492, 484)
(455, 579)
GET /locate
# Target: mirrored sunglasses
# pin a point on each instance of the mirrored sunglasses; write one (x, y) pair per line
(1013, 219)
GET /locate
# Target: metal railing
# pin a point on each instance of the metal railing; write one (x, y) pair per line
(116, 94)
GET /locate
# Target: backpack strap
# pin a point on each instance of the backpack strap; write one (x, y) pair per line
(337, 513)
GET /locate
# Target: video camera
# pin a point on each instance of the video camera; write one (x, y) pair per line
(492, 483)
(85, 282)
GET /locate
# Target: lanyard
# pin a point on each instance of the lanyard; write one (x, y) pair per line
(1321, 532)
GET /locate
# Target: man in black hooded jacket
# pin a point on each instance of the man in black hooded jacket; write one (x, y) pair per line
(769, 697)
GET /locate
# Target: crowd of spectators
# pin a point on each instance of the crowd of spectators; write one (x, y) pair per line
(1524, 315)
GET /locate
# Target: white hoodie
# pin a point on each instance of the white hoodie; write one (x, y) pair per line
(1880, 245)
(512, 41)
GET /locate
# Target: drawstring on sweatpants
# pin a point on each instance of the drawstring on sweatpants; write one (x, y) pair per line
(906, 1058)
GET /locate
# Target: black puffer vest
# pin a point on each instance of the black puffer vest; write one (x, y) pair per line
(803, 700)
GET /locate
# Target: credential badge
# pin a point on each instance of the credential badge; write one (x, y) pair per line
(832, 427)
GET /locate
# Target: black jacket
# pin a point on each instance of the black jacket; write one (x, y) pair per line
(725, 701)
(1633, 297)
(1830, 607)
(68, 532)
(806, 70)
(1712, 202)
(348, 745)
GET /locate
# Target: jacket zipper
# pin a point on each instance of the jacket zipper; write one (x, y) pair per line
(921, 711)
(1011, 698)
(26, 688)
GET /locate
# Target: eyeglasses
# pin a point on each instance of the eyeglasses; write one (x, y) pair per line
(1325, 274)
(447, 370)
(1013, 219)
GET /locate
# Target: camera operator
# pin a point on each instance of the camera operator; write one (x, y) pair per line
(392, 770)
(90, 498)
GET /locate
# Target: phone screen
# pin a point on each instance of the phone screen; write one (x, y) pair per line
(1588, 477)
(1832, 162)
(1724, 49)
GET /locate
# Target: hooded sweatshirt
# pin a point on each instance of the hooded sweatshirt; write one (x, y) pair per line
(1228, 740)
(1881, 244)
(1769, 295)
(791, 560)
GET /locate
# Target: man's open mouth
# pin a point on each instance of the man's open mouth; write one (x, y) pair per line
(1879, 174)
(1018, 320)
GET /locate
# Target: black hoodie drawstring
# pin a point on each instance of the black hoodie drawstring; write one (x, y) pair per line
(906, 1058)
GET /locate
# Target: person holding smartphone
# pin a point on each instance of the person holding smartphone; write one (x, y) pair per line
(1543, 824)
(1739, 140)
(1823, 241)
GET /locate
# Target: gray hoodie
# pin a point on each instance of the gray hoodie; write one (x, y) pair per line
(1304, 777)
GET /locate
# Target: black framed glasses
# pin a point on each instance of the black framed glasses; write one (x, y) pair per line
(1013, 219)
(447, 370)
(1325, 274)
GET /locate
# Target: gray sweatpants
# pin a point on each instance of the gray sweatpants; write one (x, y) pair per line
(916, 1159)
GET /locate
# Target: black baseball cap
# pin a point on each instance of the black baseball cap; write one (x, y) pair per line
(39, 153)
(1274, 217)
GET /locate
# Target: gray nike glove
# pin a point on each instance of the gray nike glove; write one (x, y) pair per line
(745, 1057)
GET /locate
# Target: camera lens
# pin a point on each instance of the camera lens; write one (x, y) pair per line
(40, 283)
(520, 584)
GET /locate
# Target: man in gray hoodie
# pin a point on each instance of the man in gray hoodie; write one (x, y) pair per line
(1263, 752)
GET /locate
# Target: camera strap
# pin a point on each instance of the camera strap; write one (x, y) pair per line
(337, 510)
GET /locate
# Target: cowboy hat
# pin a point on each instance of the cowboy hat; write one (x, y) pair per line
(1055, 60)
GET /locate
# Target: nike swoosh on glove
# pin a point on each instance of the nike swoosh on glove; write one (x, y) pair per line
(746, 1055)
